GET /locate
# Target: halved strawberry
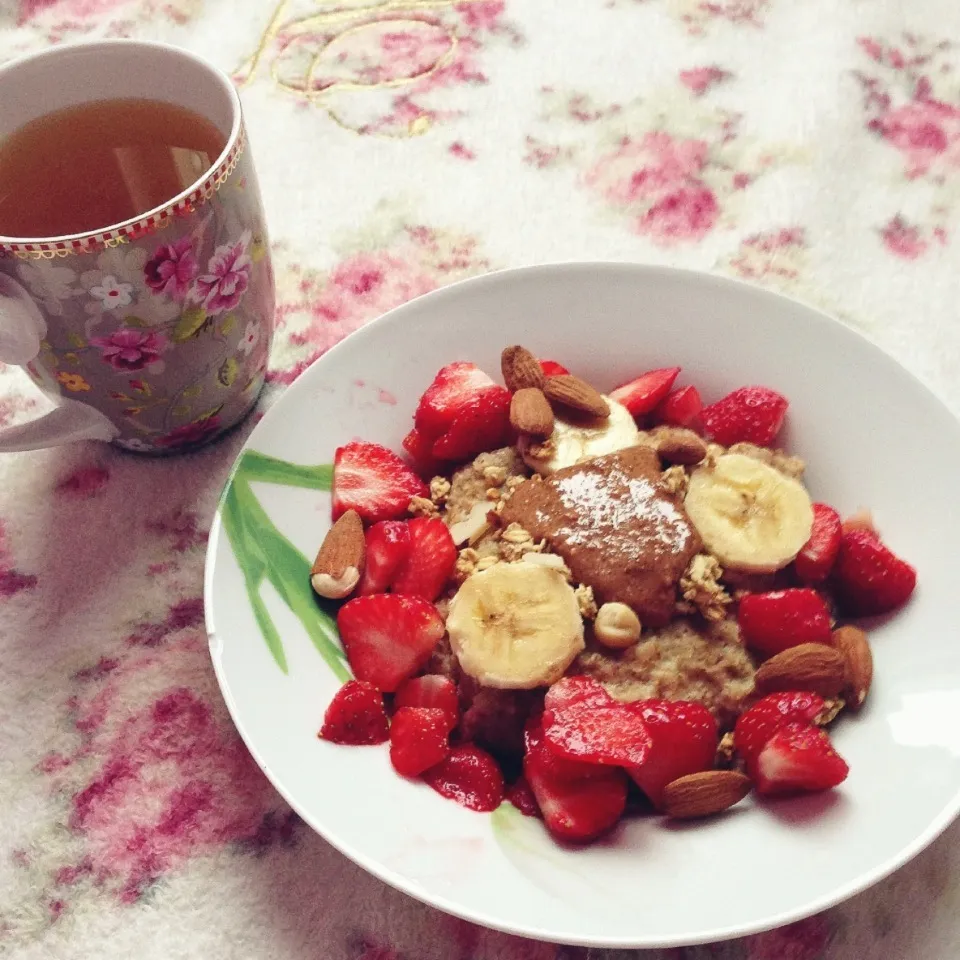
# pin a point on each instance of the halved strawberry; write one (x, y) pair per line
(374, 481)
(748, 415)
(816, 559)
(640, 396)
(430, 560)
(388, 546)
(798, 758)
(522, 797)
(608, 734)
(481, 424)
(418, 739)
(419, 448)
(551, 368)
(681, 408)
(756, 725)
(683, 739)
(433, 691)
(454, 386)
(388, 637)
(870, 578)
(774, 621)
(470, 776)
(355, 716)
(577, 689)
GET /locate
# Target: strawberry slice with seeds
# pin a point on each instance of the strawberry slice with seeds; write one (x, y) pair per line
(470, 776)
(610, 734)
(387, 548)
(418, 740)
(551, 368)
(481, 424)
(683, 739)
(772, 622)
(432, 691)
(374, 481)
(870, 578)
(419, 448)
(816, 559)
(756, 725)
(522, 797)
(430, 560)
(798, 758)
(681, 408)
(356, 716)
(388, 637)
(575, 690)
(748, 415)
(642, 395)
(452, 389)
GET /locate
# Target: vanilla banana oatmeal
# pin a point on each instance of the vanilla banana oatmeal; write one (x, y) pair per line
(575, 589)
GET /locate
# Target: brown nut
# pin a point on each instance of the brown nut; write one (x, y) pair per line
(704, 794)
(681, 446)
(852, 644)
(520, 369)
(616, 626)
(339, 563)
(530, 413)
(569, 391)
(808, 666)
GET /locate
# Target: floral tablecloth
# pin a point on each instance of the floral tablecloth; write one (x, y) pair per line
(813, 148)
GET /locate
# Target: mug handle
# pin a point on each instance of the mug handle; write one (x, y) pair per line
(21, 330)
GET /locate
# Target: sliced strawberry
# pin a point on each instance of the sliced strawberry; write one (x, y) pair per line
(816, 559)
(374, 481)
(419, 448)
(756, 725)
(482, 424)
(798, 758)
(575, 690)
(470, 776)
(681, 408)
(430, 561)
(578, 801)
(356, 716)
(610, 734)
(388, 546)
(748, 415)
(418, 739)
(521, 796)
(683, 739)
(772, 622)
(553, 369)
(388, 637)
(870, 578)
(445, 399)
(642, 395)
(433, 691)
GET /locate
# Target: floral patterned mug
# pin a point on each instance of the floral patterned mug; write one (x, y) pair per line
(154, 333)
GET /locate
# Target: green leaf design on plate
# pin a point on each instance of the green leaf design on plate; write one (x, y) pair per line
(189, 325)
(265, 554)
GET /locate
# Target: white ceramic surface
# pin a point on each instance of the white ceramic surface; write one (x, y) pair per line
(872, 435)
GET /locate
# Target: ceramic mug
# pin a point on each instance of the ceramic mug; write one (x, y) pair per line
(153, 333)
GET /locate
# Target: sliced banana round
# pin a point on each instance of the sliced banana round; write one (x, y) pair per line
(515, 626)
(573, 441)
(750, 516)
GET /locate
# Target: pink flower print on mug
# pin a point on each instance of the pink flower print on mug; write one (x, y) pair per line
(226, 280)
(127, 350)
(172, 269)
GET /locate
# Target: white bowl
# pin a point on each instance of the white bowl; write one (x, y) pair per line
(872, 436)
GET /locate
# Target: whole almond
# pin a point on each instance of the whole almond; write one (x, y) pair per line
(852, 644)
(530, 413)
(704, 794)
(520, 369)
(680, 446)
(338, 566)
(808, 666)
(576, 394)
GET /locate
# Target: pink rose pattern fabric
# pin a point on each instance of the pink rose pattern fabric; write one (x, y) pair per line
(810, 151)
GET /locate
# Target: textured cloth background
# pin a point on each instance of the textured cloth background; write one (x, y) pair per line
(810, 147)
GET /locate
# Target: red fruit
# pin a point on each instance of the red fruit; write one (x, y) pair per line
(388, 545)
(681, 408)
(748, 415)
(610, 734)
(470, 776)
(773, 622)
(578, 801)
(870, 578)
(816, 559)
(388, 637)
(575, 690)
(683, 739)
(355, 716)
(798, 758)
(640, 396)
(521, 796)
(419, 448)
(374, 481)
(432, 691)
(551, 368)
(481, 425)
(444, 400)
(430, 560)
(418, 740)
(760, 722)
